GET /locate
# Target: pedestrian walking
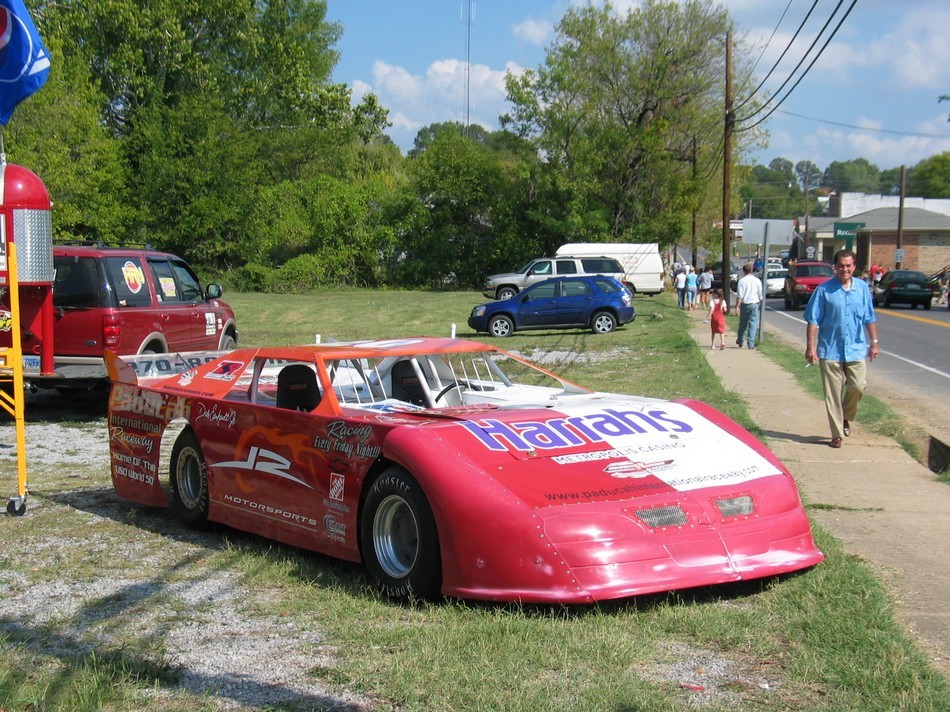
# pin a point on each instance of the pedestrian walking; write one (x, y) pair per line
(680, 283)
(717, 319)
(705, 286)
(841, 335)
(748, 297)
(692, 285)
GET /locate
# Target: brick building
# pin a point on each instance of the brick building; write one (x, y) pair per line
(925, 238)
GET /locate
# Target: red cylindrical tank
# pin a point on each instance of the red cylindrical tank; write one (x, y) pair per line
(25, 220)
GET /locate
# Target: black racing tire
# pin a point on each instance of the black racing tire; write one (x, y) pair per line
(506, 293)
(398, 537)
(189, 478)
(501, 326)
(603, 322)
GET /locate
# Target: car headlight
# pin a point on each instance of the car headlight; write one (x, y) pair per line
(479, 310)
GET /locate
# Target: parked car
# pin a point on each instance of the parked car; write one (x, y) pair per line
(449, 467)
(904, 286)
(801, 281)
(128, 300)
(734, 269)
(597, 303)
(774, 280)
(507, 285)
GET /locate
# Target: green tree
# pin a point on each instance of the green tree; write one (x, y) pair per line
(855, 176)
(615, 110)
(808, 174)
(931, 177)
(58, 134)
(457, 179)
(772, 192)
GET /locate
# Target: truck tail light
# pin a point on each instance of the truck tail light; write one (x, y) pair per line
(110, 331)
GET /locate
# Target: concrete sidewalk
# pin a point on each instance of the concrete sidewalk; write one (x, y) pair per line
(883, 505)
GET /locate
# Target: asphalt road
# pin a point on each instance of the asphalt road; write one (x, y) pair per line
(914, 345)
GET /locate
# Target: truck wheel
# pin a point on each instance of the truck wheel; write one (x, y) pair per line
(507, 293)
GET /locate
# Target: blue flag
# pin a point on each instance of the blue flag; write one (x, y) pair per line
(24, 61)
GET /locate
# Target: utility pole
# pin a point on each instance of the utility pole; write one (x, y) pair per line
(694, 204)
(730, 118)
(900, 217)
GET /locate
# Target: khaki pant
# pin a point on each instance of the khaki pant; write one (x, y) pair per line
(844, 383)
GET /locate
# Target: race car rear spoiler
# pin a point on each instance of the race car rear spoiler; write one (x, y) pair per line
(135, 368)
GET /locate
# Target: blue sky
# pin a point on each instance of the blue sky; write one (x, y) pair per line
(873, 93)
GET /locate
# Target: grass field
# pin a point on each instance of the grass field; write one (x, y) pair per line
(824, 639)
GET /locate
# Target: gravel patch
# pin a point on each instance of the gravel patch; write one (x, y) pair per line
(141, 590)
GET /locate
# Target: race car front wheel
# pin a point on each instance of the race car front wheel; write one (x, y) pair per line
(398, 537)
(189, 480)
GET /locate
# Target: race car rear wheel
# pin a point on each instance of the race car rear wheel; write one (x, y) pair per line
(189, 477)
(603, 323)
(398, 537)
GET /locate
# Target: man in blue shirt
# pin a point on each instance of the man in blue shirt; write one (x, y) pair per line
(841, 325)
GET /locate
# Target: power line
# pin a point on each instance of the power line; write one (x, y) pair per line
(784, 52)
(808, 68)
(863, 128)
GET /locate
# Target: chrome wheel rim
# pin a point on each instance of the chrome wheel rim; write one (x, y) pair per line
(189, 477)
(396, 536)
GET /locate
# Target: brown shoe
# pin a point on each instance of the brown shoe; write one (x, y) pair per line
(835, 442)
(847, 429)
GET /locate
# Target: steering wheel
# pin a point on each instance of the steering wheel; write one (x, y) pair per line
(454, 384)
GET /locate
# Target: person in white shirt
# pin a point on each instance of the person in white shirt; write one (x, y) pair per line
(748, 298)
(680, 283)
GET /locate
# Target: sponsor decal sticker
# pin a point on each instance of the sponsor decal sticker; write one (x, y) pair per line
(668, 443)
(265, 462)
(216, 414)
(226, 371)
(337, 485)
(133, 277)
(335, 529)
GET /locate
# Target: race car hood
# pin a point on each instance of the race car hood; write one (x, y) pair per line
(593, 448)
(625, 496)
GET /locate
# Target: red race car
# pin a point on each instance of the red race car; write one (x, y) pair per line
(449, 466)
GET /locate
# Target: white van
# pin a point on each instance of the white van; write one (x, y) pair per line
(641, 262)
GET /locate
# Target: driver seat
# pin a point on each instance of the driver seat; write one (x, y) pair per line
(297, 388)
(406, 385)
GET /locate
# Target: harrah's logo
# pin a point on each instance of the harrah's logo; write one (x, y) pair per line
(574, 430)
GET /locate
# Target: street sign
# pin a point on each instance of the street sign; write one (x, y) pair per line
(810, 252)
(780, 232)
(898, 256)
(846, 231)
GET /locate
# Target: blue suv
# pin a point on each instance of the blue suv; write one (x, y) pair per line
(597, 303)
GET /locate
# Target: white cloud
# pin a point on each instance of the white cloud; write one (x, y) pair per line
(536, 32)
(917, 51)
(416, 100)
